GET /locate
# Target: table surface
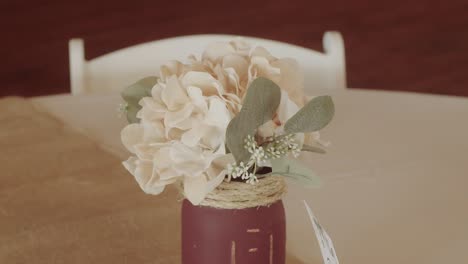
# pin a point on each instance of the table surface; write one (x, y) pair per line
(395, 175)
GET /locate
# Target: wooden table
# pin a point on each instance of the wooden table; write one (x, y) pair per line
(395, 178)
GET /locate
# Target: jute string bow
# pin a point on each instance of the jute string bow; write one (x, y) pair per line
(241, 195)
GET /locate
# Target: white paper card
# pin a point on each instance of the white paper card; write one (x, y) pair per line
(324, 240)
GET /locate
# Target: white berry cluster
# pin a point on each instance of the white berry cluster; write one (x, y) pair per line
(277, 147)
(242, 171)
(280, 146)
(258, 153)
(122, 109)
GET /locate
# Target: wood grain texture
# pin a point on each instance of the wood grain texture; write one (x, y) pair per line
(395, 45)
(76, 203)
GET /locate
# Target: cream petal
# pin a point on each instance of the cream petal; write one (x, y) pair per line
(265, 69)
(217, 172)
(153, 105)
(185, 124)
(145, 151)
(287, 108)
(156, 92)
(146, 114)
(158, 181)
(252, 75)
(164, 165)
(154, 190)
(161, 158)
(180, 153)
(234, 103)
(131, 135)
(221, 150)
(203, 80)
(163, 182)
(195, 189)
(241, 46)
(192, 137)
(222, 161)
(153, 131)
(173, 95)
(171, 68)
(292, 79)
(213, 138)
(169, 175)
(192, 59)
(143, 173)
(151, 110)
(217, 115)
(219, 74)
(191, 169)
(196, 96)
(174, 133)
(238, 63)
(130, 164)
(236, 72)
(172, 119)
(267, 130)
(232, 80)
(216, 50)
(262, 52)
(216, 181)
(189, 161)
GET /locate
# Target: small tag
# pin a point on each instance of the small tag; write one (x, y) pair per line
(325, 242)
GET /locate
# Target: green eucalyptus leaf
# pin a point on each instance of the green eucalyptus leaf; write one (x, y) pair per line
(293, 169)
(314, 116)
(133, 94)
(259, 106)
(314, 149)
(131, 112)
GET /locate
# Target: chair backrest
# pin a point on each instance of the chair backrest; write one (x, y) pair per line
(113, 71)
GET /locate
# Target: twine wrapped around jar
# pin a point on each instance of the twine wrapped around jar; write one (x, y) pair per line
(241, 195)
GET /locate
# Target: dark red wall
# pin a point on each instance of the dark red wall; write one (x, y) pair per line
(394, 45)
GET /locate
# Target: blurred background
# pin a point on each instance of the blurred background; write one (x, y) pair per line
(419, 46)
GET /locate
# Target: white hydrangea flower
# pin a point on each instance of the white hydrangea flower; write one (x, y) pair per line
(181, 135)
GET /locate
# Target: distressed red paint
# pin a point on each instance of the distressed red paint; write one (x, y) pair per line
(208, 235)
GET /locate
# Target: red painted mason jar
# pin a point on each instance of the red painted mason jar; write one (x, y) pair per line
(255, 235)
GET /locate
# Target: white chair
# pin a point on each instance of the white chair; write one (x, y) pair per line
(113, 71)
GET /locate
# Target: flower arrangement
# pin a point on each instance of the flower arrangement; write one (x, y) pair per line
(236, 114)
